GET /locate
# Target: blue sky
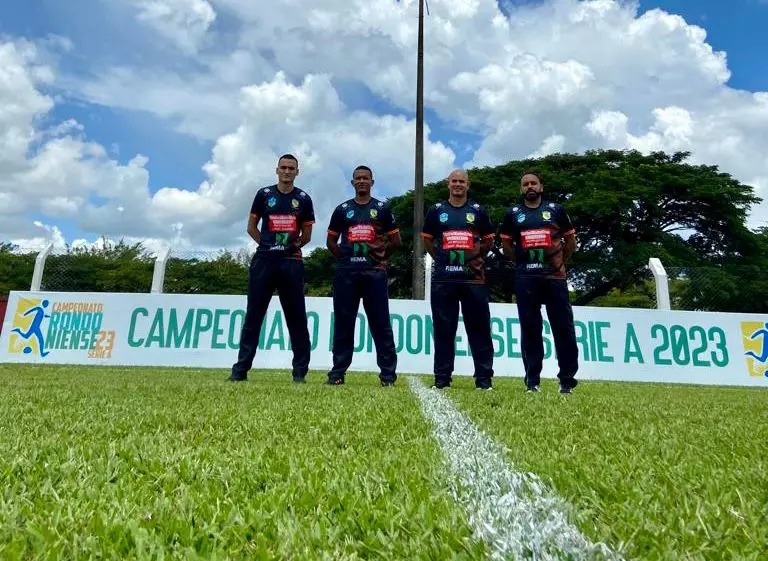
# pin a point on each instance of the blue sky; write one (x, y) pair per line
(174, 159)
(107, 34)
(738, 27)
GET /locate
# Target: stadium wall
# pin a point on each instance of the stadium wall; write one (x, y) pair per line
(203, 330)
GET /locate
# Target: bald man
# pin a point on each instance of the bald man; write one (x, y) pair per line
(458, 235)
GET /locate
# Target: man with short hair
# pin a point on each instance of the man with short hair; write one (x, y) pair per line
(458, 234)
(362, 235)
(287, 215)
(539, 237)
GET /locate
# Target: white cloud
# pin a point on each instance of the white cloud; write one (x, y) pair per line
(68, 127)
(611, 125)
(551, 145)
(46, 235)
(61, 207)
(728, 130)
(563, 75)
(184, 22)
(203, 104)
(20, 101)
(309, 121)
(276, 116)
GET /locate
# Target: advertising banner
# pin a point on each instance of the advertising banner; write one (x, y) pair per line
(203, 331)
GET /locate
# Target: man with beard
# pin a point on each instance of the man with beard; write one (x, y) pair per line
(539, 237)
(458, 234)
(362, 235)
(287, 215)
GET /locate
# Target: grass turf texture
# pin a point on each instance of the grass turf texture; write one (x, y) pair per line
(158, 463)
(672, 471)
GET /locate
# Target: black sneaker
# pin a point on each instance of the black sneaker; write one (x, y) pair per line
(299, 380)
(387, 384)
(533, 389)
(234, 378)
(563, 389)
(335, 382)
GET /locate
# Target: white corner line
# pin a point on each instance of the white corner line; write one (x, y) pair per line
(513, 513)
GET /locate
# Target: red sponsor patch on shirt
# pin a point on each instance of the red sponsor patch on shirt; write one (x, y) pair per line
(536, 238)
(361, 233)
(458, 239)
(282, 223)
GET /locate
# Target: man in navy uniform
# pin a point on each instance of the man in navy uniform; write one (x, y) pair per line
(362, 235)
(539, 236)
(458, 234)
(287, 215)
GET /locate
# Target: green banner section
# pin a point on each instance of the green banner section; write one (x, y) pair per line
(219, 328)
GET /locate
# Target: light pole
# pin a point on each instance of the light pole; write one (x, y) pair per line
(418, 194)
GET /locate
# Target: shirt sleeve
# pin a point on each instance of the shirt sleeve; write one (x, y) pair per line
(388, 222)
(508, 225)
(336, 226)
(430, 229)
(257, 207)
(307, 215)
(564, 222)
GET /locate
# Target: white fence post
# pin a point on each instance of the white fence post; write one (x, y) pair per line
(662, 284)
(158, 277)
(37, 274)
(427, 276)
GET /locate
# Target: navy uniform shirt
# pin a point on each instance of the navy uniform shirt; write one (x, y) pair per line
(363, 231)
(538, 235)
(282, 217)
(457, 233)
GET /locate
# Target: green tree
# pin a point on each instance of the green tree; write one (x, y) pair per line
(319, 267)
(15, 268)
(225, 274)
(119, 267)
(627, 207)
(740, 284)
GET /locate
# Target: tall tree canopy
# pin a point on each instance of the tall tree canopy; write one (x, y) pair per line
(629, 207)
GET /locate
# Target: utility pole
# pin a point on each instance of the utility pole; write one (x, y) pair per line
(418, 198)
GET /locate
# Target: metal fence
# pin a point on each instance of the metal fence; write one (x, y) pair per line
(594, 287)
(738, 289)
(92, 271)
(207, 272)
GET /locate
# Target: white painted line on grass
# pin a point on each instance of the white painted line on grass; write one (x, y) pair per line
(512, 512)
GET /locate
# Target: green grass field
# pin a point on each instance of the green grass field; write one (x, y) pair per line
(119, 463)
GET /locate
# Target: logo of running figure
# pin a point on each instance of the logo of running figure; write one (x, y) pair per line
(755, 339)
(27, 332)
(281, 239)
